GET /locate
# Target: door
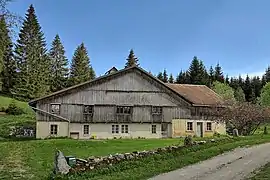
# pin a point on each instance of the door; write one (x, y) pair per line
(199, 130)
(164, 130)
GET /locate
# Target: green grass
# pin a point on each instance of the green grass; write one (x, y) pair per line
(262, 174)
(34, 159)
(7, 121)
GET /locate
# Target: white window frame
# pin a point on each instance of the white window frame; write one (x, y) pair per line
(115, 129)
(124, 129)
(192, 128)
(88, 129)
(54, 129)
(53, 105)
(211, 127)
(154, 127)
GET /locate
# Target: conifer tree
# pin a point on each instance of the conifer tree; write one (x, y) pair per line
(81, 70)
(9, 69)
(58, 67)
(239, 94)
(218, 74)
(132, 60)
(31, 59)
(249, 93)
(160, 76)
(171, 79)
(197, 72)
(267, 74)
(165, 76)
(211, 75)
(227, 79)
(256, 85)
(263, 81)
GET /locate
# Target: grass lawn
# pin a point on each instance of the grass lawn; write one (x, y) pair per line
(262, 174)
(34, 159)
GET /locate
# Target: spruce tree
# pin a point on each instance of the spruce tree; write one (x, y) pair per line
(211, 76)
(132, 60)
(249, 93)
(197, 72)
(256, 85)
(81, 70)
(218, 74)
(227, 79)
(267, 74)
(31, 59)
(165, 76)
(171, 79)
(160, 76)
(58, 68)
(9, 68)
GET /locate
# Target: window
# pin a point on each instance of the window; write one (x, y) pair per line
(86, 129)
(209, 126)
(190, 126)
(156, 110)
(53, 129)
(88, 109)
(124, 129)
(154, 129)
(123, 110)
(55, 108)
(115, 129)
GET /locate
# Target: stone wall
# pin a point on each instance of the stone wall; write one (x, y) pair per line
(105, 161)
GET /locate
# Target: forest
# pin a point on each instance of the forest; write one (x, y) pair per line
(29, 70)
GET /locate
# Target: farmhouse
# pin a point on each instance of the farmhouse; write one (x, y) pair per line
(128, 103)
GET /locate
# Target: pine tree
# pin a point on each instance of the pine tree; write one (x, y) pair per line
(263, 81)
(9, 68)
(211, 75)
(197, 72)
(267, 74)
(165, 76)
(81, 70)
(249, 94)
(256, 85)
(160, 76)
(59, 63)
(171, 79)
(227, 79)
(31, 59)
(218, 74)
(132, 60)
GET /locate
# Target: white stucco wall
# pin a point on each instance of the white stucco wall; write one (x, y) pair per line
(44, 127)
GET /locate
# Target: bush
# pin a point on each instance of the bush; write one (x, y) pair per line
(2, 109)
(188, 140)
(265, 131)
(13, 109)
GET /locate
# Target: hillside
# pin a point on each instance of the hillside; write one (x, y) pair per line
(8, 121)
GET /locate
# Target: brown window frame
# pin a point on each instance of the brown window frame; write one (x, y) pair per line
(86, 129)
(52, 108)
(207, 126)
(54, 129)
(123, 110)
(189, 126)
(154, 129)
(157, 110)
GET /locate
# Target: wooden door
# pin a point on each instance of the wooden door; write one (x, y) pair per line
(199, 130)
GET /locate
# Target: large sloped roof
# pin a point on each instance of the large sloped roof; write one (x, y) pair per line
(197, 94)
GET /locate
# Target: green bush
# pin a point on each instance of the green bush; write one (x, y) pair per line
(188, 140)
(265, 131)
(13, 109)
(2, 109)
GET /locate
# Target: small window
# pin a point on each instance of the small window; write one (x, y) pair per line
(154, 129)
(124, 129)
(156, 110)
(88, 109)
(55, 108)
(190, 126)
(209, 126)
(123, 110)
(115, 129)
(86, 129)
(53, 129)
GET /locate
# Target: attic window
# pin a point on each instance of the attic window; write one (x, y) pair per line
(88, 109)
(123, 110)
(156, 110)
(55, 108)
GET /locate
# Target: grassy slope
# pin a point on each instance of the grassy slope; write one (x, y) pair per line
(8, 120)
(262, 174)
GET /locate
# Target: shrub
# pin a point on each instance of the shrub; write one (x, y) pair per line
(188, 140)
(265, 131)
(13, 109)
(2, 109)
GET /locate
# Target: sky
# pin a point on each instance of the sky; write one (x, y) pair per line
(165, 34)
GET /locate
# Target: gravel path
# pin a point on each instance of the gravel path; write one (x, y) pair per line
(233, 165)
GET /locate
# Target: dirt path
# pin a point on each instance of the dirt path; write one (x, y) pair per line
(233, 165)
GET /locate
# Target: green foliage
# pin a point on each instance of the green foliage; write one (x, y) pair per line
(165, 76)
(14, 109)
(182, 78)
(239, 95)
(248, 90)
(31, 59)
(265, 131)
(265, 95)
(160, 76)
(224, 90)
(132, 60)
(171, 79)
(188, 141)
(218, 74)
(197, 72)
(58, 67)
(81, 70)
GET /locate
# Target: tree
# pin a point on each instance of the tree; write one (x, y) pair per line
(31, 59)
(197, 72)
(59, 63)
(225, 91)
(171, 80)
(239, 94)
(160, 76)
(249, 93)
(245, 117)
(256, 85)
(132, 60)
(211, 75)
(81, 70)
(9, 67)
(265, 95)
(267, 74)
(165, 76)
(218, 74)
(227, 79)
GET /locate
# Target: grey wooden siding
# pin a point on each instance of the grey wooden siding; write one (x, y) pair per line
(131, 89)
